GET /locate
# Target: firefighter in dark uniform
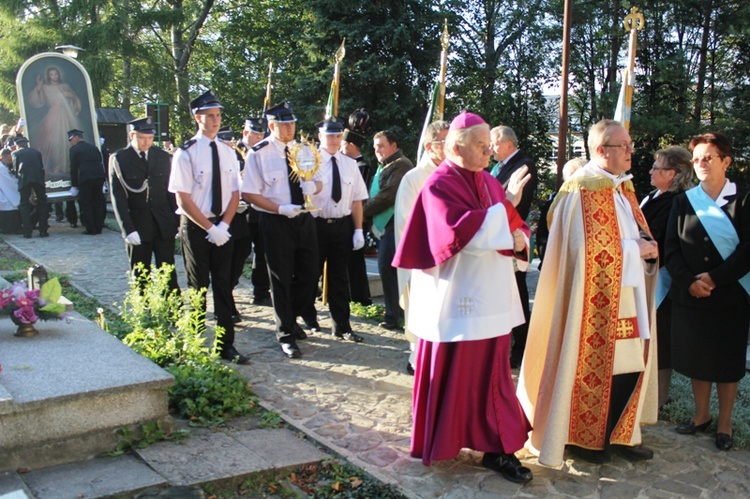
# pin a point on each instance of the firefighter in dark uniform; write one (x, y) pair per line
(289, 234)
(28, 164)
(143, 205)
(339, 223)
(351, 145)
(87, 180)
(238, 228)
(251, 135)
(205, 180)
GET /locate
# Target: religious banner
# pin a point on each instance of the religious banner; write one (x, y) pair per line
(54, 96)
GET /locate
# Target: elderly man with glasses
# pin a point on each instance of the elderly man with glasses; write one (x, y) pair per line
(588, 377)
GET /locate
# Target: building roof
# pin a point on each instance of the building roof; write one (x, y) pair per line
(113, 115)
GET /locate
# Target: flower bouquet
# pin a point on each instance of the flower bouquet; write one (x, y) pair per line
(25, 306)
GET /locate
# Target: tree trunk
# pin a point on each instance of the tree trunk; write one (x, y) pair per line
(703, 63)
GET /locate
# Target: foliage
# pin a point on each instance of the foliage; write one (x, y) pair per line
(271, 419)
(143, 436)
(10, 260)
(333, 478)
(168, 327)
(208, 392)
(374, 312)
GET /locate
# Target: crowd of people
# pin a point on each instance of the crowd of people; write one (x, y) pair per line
(629, 290)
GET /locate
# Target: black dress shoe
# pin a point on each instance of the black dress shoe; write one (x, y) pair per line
(236, 318)
(232, 355)
(392, 326)
(507, 465)
(689, 427)
(313, 326)
(89, 232)
(59, 219)
(348, 335)
(409, 369)
(298, 332)
(588, 455)
(73, 226)
(263, 302)
(724, 441)
(44, 234)
(291, 350)
(637, 453)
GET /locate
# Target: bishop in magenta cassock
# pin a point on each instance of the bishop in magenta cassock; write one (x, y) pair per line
(459, 243)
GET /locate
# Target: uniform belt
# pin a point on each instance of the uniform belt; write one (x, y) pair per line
(332, 220)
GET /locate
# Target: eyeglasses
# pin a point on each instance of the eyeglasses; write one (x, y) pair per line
(628, 147)
(707, 158)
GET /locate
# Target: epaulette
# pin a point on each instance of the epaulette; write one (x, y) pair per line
(260, 145)
(187, 144)
(227, 143)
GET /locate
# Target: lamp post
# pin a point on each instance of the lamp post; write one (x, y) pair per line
(70, 50)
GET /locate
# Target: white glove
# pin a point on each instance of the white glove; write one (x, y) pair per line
(217, 236)
(105, 188)
(224, 227)
(73, 191)
(290, 210)
(358, 240)
(133, 238)
(308, 187)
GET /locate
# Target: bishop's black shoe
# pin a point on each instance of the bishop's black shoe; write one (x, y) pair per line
(507, 465)
(232, 355)
(291, 350)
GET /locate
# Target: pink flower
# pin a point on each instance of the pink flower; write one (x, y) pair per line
(26, 315)
(5, 297)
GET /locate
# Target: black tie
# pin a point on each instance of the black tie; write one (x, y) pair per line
(294, 187)
(215, 181)
(143, 156)
(336, 188)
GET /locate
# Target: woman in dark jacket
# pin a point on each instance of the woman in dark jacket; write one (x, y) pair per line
(708, 257)
(671, 174)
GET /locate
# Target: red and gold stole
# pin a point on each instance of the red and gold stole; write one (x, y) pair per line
(600, 323)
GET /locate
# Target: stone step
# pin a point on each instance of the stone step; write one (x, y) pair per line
(206, 457)
(65, 391)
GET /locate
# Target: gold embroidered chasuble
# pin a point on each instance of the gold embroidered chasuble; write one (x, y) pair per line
(580, 332)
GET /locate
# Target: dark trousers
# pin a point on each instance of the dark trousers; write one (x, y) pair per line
(623, 386)
(70, 212)
(242, 247)
(207, 263)
(260, 278)
(92, 205)
(521, 332)
(162, 250)
(291, 246)
(334, 247)
(388, 276)
(359, 285)
(31, 214)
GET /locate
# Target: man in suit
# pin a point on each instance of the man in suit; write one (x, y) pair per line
(144, 208)
(28, 164)
(87, 178)
(392, 166)
(509, 160)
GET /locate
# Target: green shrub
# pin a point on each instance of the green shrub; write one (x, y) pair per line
(209, 393)
(168, 327)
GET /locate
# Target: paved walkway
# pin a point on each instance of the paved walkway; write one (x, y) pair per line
(355, 399)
